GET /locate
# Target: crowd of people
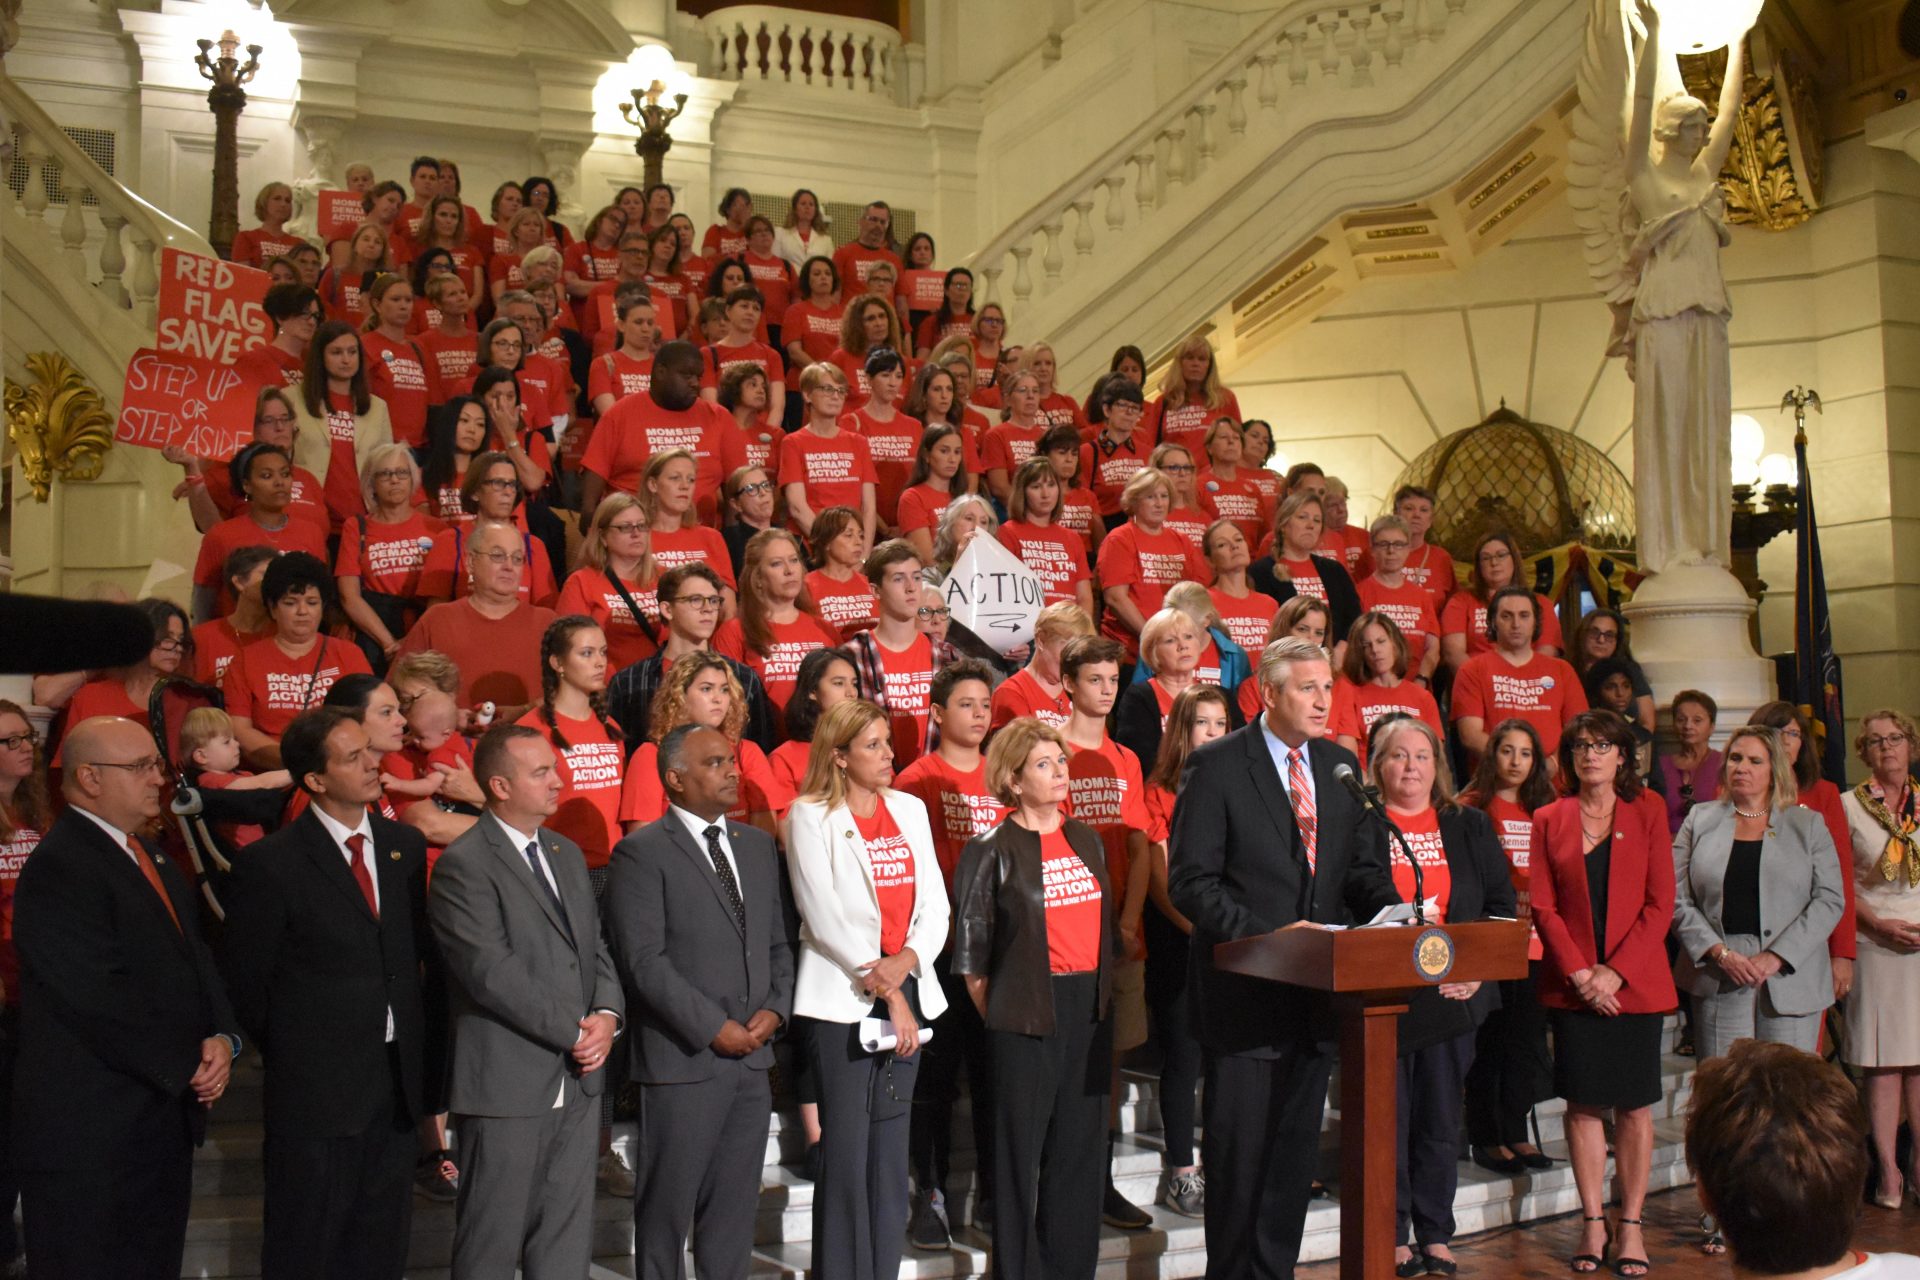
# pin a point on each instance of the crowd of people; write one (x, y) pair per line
(578, 610)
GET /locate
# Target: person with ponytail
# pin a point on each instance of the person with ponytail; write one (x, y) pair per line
(572, 715)
(615, 582)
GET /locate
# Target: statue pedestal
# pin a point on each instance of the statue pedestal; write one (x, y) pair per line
(1690, 631)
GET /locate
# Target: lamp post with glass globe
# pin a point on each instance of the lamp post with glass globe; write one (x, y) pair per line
(646, 114)
(227, 99)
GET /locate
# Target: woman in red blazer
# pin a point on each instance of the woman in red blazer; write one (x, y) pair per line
(1602, 882)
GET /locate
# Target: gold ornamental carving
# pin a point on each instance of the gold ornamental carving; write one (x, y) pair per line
(58, 423)
(1775, 172)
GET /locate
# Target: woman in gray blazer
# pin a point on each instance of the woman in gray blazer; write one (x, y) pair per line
(1757, 891)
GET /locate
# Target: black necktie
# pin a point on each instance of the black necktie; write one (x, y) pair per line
(546, 886)
(724, 869)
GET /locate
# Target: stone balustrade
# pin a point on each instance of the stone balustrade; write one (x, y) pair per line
(823, 53)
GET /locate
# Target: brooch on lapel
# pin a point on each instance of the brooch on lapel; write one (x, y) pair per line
(395, 855)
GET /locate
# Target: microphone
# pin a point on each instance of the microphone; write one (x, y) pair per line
(44, 635)
(1344, 775)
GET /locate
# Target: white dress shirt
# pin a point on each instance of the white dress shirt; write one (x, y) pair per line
(520, 840)
(340, 833)
(698, 826)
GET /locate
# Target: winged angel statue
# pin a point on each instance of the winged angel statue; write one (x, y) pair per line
(1643, 179)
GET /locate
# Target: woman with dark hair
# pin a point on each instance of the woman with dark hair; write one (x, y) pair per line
(989, 345)
(1602, 633)
(1373, 684)
(1690, 772)
(1130, 364)
(1511, 1067)
(209, 485)
(399, 372)
(572, 715)
(263, 475)
(1467, 878)
(803, 232)
(341, 421)
(445, 227)
(838, 582)
(771, 274)
(427, 266)
(953, 318)
(1256, 435)
(125, 691)
(543, 198)
(826, 676)
(1603, 896)
(867, 323)
(289, 671)
(1497, 562)
(1820, 795)
(509, 199)
(810, 329)
(1295, 568)
(939, 475)
(777, 624)
(893, 438)
(458, 435)
(728, 237)
(656, 208)
(748, 497)
(1033, 532)
(509, 432)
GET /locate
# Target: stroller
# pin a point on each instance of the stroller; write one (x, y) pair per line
(196, 810)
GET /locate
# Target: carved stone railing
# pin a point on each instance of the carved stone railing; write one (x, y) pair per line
(1331, 47)
(758, 44)
(130, 281)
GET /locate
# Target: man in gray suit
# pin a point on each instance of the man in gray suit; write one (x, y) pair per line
(536, 1005)
(699, 920)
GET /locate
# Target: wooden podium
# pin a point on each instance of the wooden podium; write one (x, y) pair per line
(1371, 973)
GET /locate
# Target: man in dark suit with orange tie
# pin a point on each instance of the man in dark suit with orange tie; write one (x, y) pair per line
(126, 1036)
(1264, 836)
(327, 940)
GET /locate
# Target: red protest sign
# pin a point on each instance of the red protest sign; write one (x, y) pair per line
(172, 398)
(211, 308)
(923, 289)
(337, 213)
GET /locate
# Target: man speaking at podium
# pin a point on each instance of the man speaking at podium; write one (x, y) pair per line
(1264, 836)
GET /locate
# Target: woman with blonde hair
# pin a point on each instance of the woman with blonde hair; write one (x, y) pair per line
(873, 916)
(1294, 566)
(1174, 648)
(989, 338)
(967, 516)
(1141, 559)
(777, 625)
(616, 581)
(366, 255)
(1037, 688)
(1176, 462)
(1057, 408)
(1303, 617)
(700, 689)
(257, 246)
(1191, 397)
(668, 485)
(1008, 444)
(383, 553)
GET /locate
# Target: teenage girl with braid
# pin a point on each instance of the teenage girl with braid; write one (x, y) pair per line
(589, 750)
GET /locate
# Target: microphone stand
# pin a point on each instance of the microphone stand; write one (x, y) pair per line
(1379, 810)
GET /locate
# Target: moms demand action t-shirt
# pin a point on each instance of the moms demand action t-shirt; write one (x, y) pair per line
(891, 858)
(1543, 691)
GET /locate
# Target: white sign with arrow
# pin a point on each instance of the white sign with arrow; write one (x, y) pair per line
(993, 594)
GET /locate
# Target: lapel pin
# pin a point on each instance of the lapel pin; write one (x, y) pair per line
(395, 855)
(849, 835)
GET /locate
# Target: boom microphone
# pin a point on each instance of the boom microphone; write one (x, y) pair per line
(43, 635)
(1344, 775)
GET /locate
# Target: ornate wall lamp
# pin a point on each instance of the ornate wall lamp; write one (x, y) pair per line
(646, 114)
(227, 99)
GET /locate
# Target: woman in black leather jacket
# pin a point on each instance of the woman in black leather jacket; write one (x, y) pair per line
(1035, 939)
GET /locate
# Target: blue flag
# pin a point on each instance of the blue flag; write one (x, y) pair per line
(1816, 670)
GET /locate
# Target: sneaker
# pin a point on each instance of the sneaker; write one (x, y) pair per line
(436, 1177)
(1187, 1194)
(614, 1177)
(927, 1229)
(1121, 1213)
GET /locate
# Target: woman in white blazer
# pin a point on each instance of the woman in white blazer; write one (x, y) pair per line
(803, 233)
(873, 915)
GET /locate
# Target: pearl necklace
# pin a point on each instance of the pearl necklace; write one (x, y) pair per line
(1743, 813)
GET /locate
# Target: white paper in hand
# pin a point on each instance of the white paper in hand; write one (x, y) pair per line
(877, 1035)
(994, 595)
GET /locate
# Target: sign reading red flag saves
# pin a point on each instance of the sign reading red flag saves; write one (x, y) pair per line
(210, 308)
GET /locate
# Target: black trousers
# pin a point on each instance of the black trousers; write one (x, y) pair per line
(1428, 1131)
(1167, 950)
(1050, 1151)
(9, 1184)
(1262, 1147)
(960, 1040)
(113, 1220)
(341, 1208)
(1512, 1069)
(860, 1202)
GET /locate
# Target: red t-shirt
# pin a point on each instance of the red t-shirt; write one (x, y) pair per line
(853, 261)
(1073, 907)
(216, 644)
(959, 806)
(1240, 500)
(1466, 615)
(848, 607)
(1146, 564)
(831, 469)
(891, 858)
(1423, 838)
(722, 241)
(455, 356)
(1350, 545)
(1513, 827)
(221, 541)
(498, 658)
(342, 486)
(1061, 410)
(1356, 709)
(589, 262)
(854, 369)
(271, 366)
(591, 771)
(308, 501)
(1431, 567)
(677, 290)
(404, 376)
(697, 545)
(255, 247)
(909, 678)
(758, 354)
(13, 856)
(1187, 425)
(1021, 695)
(1410, 607)
(619, 375)
(637, 428)
(1305, 575)
(1247, 618)
(929, 337)
(392, 556)
(1543, 691)
(892, 445)
(816, 329)
(1190, 523)
(105, 696)
(1106, 791)
(920, 508)
(444, 575)
(1057, 555)
(779, 667)
(270, 687)
(773, 277)
(761, 441)
(788, 762)
(1077, 514)
(1007, 445)
(645, 799)
(1106, 467)
(591, 592)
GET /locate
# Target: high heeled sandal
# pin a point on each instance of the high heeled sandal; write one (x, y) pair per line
(1586, 1264)
(1621, 1264)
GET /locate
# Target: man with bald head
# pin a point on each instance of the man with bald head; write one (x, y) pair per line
(670, 415)
(491, 634)
(126, 1035)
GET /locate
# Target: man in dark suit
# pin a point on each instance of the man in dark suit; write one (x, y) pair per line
(1264, 836)
(536, 1004)
(326, 942)
(126, 1036)
(700, 926)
